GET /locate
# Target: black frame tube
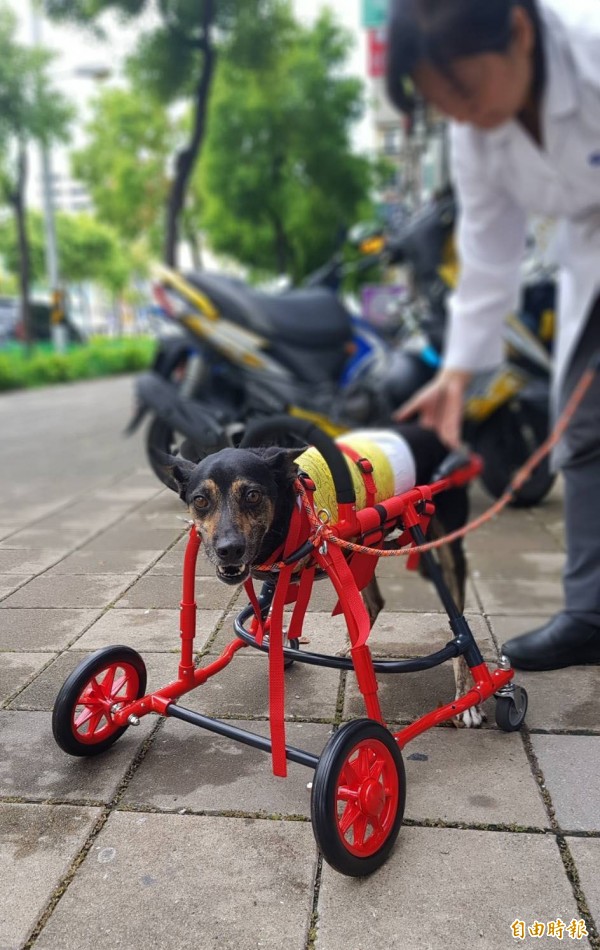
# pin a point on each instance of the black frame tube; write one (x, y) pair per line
(239, 735)
(464, 638)
(452, 649)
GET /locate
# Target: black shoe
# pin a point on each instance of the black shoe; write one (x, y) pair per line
(563, 641)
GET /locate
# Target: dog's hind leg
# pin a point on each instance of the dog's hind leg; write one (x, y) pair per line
(453, 567)
(373, 600)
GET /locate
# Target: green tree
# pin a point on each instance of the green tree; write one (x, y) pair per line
(175, 61)
(30, 111)
(88, 251)
(279, 182)
(124, 164)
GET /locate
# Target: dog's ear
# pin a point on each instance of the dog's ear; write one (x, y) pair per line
(280, 460)
(176, 470)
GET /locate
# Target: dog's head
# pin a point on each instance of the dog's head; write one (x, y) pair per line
(241, 502)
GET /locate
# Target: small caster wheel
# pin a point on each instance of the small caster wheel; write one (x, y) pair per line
(511, 710)
(358, 797)
(82, 723)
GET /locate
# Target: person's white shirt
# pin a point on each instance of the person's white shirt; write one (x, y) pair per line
(502, 176)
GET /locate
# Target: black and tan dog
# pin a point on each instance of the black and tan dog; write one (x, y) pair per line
(241, 501)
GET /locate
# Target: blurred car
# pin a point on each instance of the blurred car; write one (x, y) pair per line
(11, 326)
(9, 318)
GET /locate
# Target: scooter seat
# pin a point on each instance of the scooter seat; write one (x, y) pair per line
(311, 318)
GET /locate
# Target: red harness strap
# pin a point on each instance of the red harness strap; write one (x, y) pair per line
(366, 470)
(275, 627)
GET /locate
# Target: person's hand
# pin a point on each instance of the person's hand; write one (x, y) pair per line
(439, 405)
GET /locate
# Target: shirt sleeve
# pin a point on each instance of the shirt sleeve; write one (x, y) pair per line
(491, 242)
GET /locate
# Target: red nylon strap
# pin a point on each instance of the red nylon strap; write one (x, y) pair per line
(277, 677)
(304, 591)
(259, 626)
(366, 470)
(355, 612)
(276, 667)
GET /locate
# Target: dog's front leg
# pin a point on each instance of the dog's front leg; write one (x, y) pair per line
(453, 568)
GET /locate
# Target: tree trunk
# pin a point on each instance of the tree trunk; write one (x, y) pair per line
(282, 246)
(186, 159)
(17, 200)
(191, 235)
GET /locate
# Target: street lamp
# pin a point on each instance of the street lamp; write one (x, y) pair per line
(58, 329)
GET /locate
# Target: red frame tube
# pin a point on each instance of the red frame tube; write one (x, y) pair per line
(189, 675)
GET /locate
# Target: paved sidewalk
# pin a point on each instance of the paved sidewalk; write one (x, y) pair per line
(178, 839)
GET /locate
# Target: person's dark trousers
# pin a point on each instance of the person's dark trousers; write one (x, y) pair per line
(573, 636)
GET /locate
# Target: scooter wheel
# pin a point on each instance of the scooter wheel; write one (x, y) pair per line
(511, 710)
(82, 721)
(358, 797)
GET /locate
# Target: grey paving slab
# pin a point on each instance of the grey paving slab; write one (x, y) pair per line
(447, 889)
(27, 561)
(586, 854)
(7, 529)
(508, 564)
(402, 591)
(164, 591)
(505, 627)
(33, 767)
(190, 768)
(71, 590)
(407, 696)
(563, 699)
(151, 515)
(172, 562)
(42, 692)
(16, 669)
(134, 537)
(520, 596)
(515, 531)
(472, 776)
(153, 630)
(417, 634)
(40, 536)
(321, 633)
(408, 591)
(179, 881)
(105, 562)
(10, 583)
(571, 768)
(87, 516)
(38, 843)
(131, 494)
(241, 690)
(31, 629)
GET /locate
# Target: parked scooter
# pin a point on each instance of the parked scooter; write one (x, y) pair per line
(244, 354)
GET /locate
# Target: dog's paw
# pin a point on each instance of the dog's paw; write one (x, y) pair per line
(472, 718)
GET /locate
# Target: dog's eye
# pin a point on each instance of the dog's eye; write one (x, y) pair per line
(201, 502)
(253, 497)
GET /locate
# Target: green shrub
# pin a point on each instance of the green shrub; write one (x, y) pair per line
(99, 357)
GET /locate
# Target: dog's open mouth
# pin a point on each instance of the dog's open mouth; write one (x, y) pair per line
(233, 573)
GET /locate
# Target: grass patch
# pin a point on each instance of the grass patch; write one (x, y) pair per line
(99, 357)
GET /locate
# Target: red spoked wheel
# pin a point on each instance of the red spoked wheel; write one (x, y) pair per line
(358, 797)
(82, 718)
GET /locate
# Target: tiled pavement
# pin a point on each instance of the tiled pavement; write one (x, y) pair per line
(176, 838)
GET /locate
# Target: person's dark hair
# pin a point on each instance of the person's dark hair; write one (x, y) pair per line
(441, 31)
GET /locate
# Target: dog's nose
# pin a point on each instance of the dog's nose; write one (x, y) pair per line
(230, 551)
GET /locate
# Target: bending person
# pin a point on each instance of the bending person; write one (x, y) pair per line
(520, 80)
